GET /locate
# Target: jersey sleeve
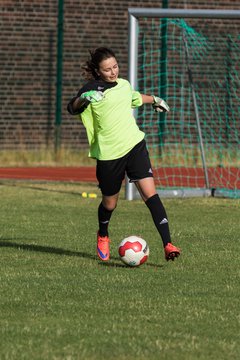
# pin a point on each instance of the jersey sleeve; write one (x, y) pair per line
(136, 99)
(86, 87)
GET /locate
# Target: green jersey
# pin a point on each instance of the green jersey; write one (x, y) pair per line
(111, 127)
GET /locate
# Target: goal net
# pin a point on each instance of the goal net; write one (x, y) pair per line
(192, 61)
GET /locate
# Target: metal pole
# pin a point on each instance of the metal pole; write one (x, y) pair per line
(163, 76)
(132, 77)
(228, 88)
(133, 15)
(58, 118)
(184, 13)
(196, 112)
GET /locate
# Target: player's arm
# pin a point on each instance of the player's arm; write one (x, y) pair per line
(147, 99)
(79, 103)
(158, 104)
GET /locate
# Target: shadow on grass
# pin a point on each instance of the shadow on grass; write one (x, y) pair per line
(78, 193)
(114, 264)
(59, 251)
(46, 249)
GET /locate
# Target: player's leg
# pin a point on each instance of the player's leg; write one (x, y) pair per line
(110, 175)
(146, 188)
(140, 172)
(105, 210)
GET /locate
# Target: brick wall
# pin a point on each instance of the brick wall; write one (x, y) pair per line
(28, 48)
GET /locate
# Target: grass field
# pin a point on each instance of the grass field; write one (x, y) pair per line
(58, 301)
(45, 157)
(175, 154)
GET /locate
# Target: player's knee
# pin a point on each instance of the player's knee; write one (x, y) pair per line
(111, 208)
(109, 204)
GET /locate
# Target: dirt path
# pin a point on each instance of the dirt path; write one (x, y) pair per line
(182, 177)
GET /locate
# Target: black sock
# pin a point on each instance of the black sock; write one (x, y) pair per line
(104, 217)
(159, 217)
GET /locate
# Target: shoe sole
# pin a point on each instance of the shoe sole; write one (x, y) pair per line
(172, 256)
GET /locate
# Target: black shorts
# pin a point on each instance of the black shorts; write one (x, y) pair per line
(111, 173)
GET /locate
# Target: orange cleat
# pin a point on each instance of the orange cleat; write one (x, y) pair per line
(171, 252)
(103, 251)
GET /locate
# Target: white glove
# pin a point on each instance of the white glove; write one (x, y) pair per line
(159, 105)
(92, 96)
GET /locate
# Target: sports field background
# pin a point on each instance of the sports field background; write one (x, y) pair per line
(226, 178)
(29, 55)
(58, 301)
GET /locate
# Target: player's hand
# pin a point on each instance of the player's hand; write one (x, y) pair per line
(92, 96)
(159, 105)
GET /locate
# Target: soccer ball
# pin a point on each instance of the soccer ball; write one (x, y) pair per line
(133, 251)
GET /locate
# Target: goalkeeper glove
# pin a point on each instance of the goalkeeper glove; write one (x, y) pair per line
(159, 105)
(92, 96)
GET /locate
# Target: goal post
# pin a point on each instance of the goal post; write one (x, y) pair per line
(194, 149)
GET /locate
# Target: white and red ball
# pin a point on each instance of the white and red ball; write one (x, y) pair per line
(133, 250)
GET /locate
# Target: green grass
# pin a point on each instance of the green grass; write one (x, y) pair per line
(45, 157)
(182, 154)
(189, 155)
(58, 301)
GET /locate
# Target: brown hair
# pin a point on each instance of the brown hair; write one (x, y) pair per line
(96, 57)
